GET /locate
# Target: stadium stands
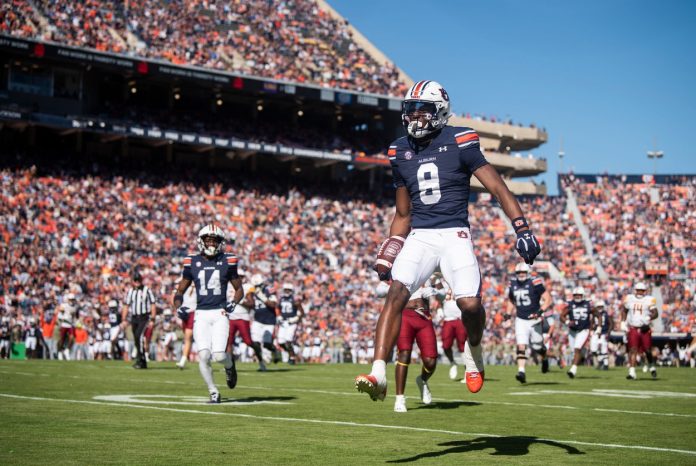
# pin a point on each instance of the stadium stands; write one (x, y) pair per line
(78, 229)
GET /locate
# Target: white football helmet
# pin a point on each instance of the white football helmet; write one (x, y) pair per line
(256, 280)
(425, 109)
(522, 268)
(578, 294)
(112, 303)
(213, 231)
(288, 289)
(641, 289)
(600, 304)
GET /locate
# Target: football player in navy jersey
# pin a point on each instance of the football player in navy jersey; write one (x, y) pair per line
(290, 313)
(578, 315)
(529, 298)
(599, 341)
(432, 167)
(264, 304)
(210, 271)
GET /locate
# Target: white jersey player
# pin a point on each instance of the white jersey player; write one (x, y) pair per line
(639, 310)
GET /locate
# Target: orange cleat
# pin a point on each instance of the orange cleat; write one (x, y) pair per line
(474, 381)
(369, 384)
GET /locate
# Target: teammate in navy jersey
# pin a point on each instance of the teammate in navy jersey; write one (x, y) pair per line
(599, 341)
(289, 315)
(263, 302)
(529, 298)
(578, 315)
(211, 271)
(432, 168)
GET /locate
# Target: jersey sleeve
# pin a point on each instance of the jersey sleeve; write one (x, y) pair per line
(396, 175)
(186, 272)
(511, 296)
(470, 155)
(539, 286)
(232, 263)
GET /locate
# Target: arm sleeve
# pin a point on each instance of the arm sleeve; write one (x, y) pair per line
(472, 158)
(510, 294)
(129, 297)
(150, 295)
(232, 268)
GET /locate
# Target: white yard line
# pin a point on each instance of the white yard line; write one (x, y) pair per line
(339, 393)
(345, 423)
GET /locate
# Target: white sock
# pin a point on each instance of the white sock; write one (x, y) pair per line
(182, 361)
(400, 398)
(379, 369)
(574, 369)
(632, 371)
(206, 370)
(520, 369)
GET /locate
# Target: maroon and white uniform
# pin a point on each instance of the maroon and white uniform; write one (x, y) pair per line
(417, 325)
(240, 318)
(638, 320)
(452, 326)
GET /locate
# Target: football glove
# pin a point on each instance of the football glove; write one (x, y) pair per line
(229, 309)
(527, 246)
(183, 313)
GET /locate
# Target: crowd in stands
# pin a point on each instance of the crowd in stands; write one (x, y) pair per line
(292, 40)
(72, 237)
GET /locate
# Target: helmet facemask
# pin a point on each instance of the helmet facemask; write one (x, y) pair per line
(210, 245)
(425, 109)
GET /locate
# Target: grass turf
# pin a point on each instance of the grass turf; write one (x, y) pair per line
(56, 412)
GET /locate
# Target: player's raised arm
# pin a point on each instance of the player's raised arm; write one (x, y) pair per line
(527, 245)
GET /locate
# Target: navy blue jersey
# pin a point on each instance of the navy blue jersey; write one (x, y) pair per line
(602, 322)
(526, 296)
(114, 318)
(288, 309)
(4, 332)
(438, 176)
(211, 277)
(264, 314)
(579, 315)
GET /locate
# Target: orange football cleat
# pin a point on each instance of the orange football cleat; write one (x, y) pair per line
(474, 381)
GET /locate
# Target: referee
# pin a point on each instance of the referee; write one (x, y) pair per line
(141, 309)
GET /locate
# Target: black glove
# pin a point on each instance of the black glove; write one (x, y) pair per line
(527, 246)
(182, 313)
(645, 328)
(229, 309)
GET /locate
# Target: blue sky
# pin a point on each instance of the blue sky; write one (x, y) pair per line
(607, 78)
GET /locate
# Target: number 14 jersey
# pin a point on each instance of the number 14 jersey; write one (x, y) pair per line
(211, 277)
(438, 175)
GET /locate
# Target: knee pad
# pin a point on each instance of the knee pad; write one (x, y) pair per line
(219, 357)
(521, 354)
(204, 356)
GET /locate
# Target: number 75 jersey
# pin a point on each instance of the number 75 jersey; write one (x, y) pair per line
(438, 176)
(211, 277)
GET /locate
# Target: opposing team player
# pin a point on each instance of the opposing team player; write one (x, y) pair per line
(452, 329)
(291, 312)
(263, 327)
(529, 298)
(432, 168)
(416, 325)
(599, 341)
(211, 270)
(639, 309)
(577, 313)
(186, 314)
(240, 322)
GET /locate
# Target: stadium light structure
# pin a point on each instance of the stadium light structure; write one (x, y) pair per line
(655, 154)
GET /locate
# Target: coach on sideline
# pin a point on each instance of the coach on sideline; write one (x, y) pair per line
(140, 307)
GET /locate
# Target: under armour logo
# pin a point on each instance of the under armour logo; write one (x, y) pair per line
(442, 149)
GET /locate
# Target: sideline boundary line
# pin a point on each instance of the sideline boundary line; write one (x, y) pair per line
(342, 423)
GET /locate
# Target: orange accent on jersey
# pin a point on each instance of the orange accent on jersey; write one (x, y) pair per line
(231, 260)
(187, 261)
(391, 152)
(467, 138)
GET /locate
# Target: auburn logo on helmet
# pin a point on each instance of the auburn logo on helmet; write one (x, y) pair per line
(445, 96)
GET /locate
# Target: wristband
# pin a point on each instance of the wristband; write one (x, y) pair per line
(519, 223)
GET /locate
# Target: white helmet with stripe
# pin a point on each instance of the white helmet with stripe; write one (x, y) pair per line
(425, 109)
(578, 294)
(212, 248)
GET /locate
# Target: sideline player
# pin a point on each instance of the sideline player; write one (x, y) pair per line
(599, 341)
(290, 314)
(452, 329)
(186, 314)
(432, 168)
(529, 298)
(263, 325)
(639, 309)
(416, 325)
(210, 271)
(578, 315)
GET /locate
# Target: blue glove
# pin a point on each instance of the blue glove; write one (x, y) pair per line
(229, 309)
(527, 246)
(183, 313)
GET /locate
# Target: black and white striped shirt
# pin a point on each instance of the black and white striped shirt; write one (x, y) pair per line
(140, 300)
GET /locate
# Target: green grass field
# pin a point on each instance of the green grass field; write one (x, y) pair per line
(56, 412)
